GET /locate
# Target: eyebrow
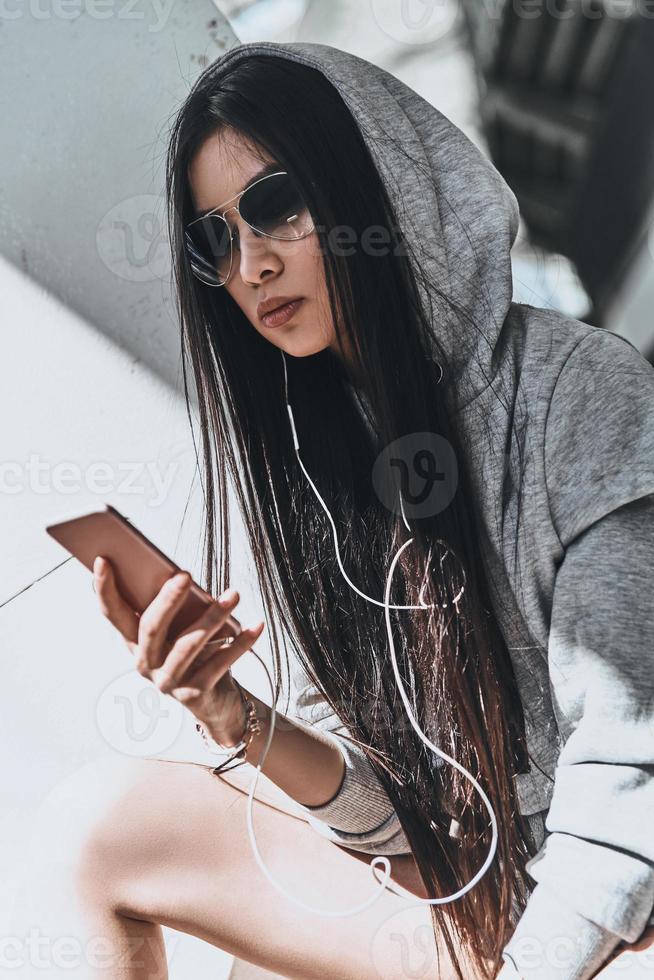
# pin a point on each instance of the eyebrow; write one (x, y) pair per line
(266, 171)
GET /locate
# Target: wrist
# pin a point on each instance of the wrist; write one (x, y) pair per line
(238, 720)
(231, 727)
(228, 734)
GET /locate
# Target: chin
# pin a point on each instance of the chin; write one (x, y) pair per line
(295, 345)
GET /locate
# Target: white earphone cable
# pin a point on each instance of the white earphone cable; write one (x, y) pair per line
(378, 859)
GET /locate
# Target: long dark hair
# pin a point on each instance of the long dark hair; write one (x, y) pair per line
(452, 658)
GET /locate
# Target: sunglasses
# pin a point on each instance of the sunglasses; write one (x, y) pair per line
(272, 206)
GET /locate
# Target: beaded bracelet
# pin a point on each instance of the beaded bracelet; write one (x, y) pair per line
(252, 726)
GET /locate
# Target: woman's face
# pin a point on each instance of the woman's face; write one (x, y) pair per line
(264, 268)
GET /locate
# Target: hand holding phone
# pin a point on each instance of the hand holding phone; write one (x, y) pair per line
(178, 633)
(197, 677)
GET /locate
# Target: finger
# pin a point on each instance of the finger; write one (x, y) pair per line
(190, 643)
(157, 617)
(112, 604)
(208, 675)
(230, 628)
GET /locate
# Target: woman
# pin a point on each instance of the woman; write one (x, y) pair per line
(524, 446)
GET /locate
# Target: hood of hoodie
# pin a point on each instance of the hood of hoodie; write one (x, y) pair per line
(451, 202)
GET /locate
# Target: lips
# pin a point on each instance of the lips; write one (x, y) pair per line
(281, 314)
(274, 303)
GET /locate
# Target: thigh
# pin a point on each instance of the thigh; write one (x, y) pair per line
(405, 876)
(169, 844)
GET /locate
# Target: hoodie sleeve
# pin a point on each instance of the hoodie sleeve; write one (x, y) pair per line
(595, 870)
(360, 815)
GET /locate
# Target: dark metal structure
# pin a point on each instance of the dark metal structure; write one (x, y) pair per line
(567, 107)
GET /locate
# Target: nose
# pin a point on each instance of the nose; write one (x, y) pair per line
(255, 255)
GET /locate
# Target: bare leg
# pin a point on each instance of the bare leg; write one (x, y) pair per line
(55, 931)
(150, 842)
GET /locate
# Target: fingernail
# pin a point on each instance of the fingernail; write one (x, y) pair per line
(98, 565)
(227, 597)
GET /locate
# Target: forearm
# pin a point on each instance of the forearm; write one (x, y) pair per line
(304, 764)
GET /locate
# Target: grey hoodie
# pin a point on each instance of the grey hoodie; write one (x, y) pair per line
(573, 578)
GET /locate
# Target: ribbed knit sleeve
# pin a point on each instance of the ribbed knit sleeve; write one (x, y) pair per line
(360, 815)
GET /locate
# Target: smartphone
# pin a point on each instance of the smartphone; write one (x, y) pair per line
(140, 568)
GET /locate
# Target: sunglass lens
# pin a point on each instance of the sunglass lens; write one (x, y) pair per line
(209, 248)
(276, 207)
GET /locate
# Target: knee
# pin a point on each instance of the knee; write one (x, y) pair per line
(78, 830)
(78, 802)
